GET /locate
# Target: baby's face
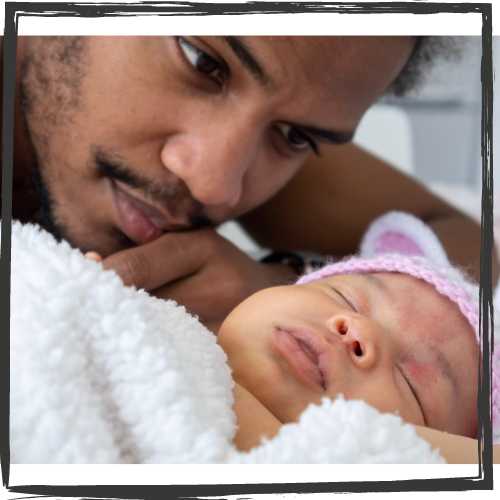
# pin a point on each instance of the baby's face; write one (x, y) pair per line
(388, 339)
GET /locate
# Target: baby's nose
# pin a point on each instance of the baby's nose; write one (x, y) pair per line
(359, 337)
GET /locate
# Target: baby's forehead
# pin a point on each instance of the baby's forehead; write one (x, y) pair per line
(402, 293)
(384, 279)
(415, 304)
(381, 279)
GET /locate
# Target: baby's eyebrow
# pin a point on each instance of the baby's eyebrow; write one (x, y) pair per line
(376, 281)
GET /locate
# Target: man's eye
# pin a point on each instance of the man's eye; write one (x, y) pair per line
(297, 139)
(201, 61)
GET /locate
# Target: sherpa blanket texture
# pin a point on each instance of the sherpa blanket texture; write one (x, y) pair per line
(103, 373)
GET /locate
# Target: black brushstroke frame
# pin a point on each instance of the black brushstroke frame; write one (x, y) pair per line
(15, 10)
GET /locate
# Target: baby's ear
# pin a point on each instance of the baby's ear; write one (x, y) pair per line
(399, 232)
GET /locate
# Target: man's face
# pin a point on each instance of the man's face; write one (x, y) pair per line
(135, 136)
(388, 339)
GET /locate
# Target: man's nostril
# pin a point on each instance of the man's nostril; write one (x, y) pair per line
(342, 329)
(357, 349)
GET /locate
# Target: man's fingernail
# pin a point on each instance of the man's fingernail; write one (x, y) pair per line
(93, 256)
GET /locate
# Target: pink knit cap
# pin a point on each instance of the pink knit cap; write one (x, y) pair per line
(410, 256)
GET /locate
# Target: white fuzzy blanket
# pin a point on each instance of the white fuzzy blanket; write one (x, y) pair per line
(102, 373)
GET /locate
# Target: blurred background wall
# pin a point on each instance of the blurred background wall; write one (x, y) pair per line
(443, 122)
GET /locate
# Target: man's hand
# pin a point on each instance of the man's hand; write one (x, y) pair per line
(198, 269)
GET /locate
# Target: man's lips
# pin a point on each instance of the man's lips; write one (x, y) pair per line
(307, 353)
(140, 221)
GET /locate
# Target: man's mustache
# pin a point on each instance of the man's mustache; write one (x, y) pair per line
(170, 196)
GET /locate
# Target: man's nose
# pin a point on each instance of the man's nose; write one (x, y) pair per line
(212, 159)
(363, 339)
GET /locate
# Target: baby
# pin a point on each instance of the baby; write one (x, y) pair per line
(396, 331)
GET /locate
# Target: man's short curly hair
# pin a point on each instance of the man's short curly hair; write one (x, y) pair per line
(427, 51)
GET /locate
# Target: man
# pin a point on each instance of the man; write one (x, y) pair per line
(136, 147)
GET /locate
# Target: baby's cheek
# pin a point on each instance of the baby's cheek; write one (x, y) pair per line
(424, 335)
(429, 325)
(425, 372)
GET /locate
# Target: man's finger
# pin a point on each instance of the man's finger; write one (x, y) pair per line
(168, 258)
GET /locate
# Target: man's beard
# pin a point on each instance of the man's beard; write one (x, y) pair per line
(107, 166)
(45, 213)
(52, 102)
(37, 89)
(163, 194)
(175, 196)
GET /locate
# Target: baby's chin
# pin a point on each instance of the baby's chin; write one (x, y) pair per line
(224, 335)
(232, 332)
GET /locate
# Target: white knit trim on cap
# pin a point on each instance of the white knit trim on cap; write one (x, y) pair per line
(410, 227)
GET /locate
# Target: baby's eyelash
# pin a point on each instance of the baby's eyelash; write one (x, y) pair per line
(412, 388)
(345, 299)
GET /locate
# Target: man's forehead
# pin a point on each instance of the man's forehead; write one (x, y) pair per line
(322, 49)
(351, 71)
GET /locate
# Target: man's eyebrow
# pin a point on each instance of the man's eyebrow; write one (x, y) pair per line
(244, 53)
(247, 58)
